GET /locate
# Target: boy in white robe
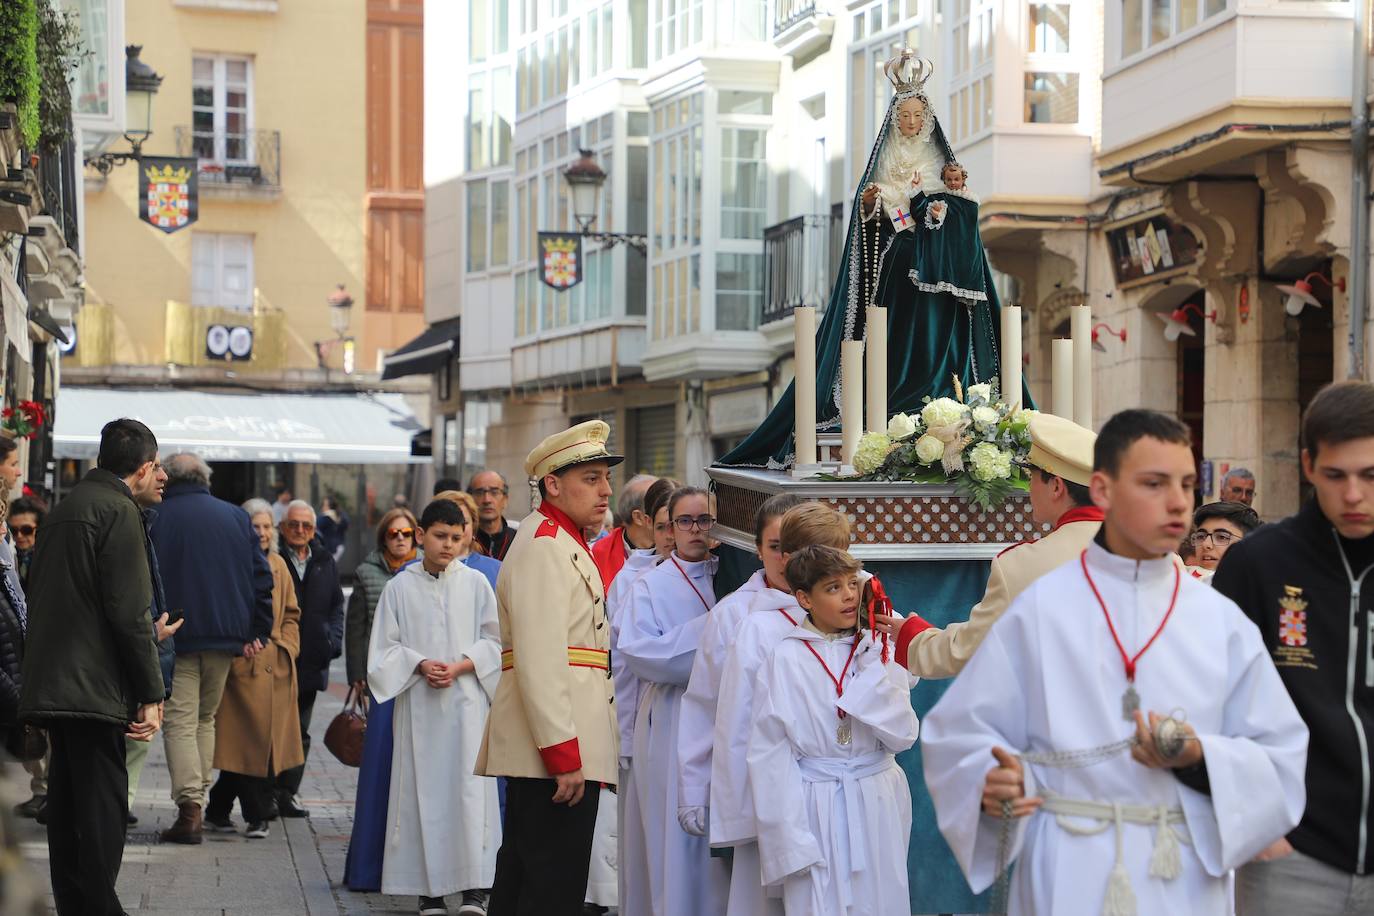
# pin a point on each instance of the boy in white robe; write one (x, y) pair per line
(436, 649)
(772, 613)
(632, 862)
(1058, 721)
(832, 806)
(659, 635)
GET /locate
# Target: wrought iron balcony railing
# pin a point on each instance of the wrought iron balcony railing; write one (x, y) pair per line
(251, 158)
(57, 177)
(800, 259)
(787, 13)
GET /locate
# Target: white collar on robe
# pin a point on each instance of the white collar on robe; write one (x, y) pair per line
(807, 631)
(770, 599)
(706, 567)
(1129, 572)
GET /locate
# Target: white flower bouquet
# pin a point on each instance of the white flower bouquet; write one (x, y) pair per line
(972, 440)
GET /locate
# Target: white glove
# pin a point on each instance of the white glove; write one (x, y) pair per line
(693, 819)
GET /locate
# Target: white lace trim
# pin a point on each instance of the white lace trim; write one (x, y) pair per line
(933, 221)
(943, 287)
(965, 193)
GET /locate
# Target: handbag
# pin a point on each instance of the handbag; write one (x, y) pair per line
(344, 737)
(26, 743)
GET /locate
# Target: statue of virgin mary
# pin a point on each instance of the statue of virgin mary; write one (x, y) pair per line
(913, 247)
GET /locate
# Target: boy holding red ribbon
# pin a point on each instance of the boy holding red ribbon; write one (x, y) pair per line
(830, 711)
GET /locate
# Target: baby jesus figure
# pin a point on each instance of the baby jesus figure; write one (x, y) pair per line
(941, 262)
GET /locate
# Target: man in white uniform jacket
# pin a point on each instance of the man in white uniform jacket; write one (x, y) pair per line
(1058, 720)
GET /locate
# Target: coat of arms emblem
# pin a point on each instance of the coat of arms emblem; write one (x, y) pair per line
(1292, 617)
(168, 193)
(561, 254)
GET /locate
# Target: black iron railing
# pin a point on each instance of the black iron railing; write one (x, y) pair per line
(800, 257)
(57, 178)
(787, 13)
(251, 158)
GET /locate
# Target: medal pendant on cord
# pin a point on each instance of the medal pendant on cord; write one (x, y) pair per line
(1130, 702)
(844, 734)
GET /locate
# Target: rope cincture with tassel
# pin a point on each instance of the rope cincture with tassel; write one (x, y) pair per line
(879, 603)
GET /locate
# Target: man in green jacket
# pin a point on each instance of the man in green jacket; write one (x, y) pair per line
(90, 671)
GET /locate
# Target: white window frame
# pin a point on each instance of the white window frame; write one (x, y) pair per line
(1116, 56)
(219, 106)
(214, 245)
(1068, 62)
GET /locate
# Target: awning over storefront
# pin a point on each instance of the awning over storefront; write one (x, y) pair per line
(269, 426)
(426, 353)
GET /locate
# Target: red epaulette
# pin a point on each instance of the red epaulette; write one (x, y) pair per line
(1014, 546)
(548, 528)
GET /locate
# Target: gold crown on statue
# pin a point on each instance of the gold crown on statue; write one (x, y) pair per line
(909, 73)
(168, 175)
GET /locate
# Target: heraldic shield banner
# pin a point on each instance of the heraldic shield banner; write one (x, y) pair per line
(168, 192)
(561, 254)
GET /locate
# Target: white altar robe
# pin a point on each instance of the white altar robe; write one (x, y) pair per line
(659, 635)
(632, 862)
(448, 843)
(1052, 652)
(833, 820)
(698, 717)
(772, 615)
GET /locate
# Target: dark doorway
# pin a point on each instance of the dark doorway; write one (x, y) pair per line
(1192, 362)
(1316, 358)
(232, 481)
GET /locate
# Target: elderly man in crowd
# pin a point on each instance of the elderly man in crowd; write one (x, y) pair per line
(316, 578)
(634, 530)
(1238, 486)
(494, 532)
(89, 662)
(214, 574)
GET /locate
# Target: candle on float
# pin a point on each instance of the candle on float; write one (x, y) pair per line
(1011, 354)
(1081, 326)
(804, 385)
(1061, 377)
(851, 398)
(875, 349)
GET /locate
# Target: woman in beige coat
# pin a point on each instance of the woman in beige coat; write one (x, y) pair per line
(257, 728)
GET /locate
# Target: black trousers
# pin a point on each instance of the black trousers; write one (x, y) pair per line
(254, 794)
(289, 781)
(546, 851)
(88, 802)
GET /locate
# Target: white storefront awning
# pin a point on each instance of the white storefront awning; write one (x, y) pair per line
(268, 426)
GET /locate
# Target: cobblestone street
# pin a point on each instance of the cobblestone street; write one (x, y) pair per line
(297, 870)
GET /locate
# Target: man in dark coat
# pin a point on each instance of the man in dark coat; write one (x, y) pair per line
(90, 671)
(215, 574)
(320, 596)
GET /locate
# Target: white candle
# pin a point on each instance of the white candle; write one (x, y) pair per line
(1061, 386)
(1011, 354)
(804, 385)
(851, 398)
(876, 351)
(1081, 324)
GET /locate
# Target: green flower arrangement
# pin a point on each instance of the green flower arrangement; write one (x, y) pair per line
(973, 440)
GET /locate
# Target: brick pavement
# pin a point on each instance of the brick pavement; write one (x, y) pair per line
(297, 870)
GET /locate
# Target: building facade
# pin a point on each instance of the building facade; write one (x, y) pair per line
(1139, 156)
(304, 122)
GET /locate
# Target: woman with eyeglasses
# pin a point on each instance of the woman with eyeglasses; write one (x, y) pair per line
(659, 635)
(396, 549)
(1216, 526)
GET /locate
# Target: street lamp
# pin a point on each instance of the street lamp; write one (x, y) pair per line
(141, 83)
(585, 178)
(340, 309)
(1298, 294)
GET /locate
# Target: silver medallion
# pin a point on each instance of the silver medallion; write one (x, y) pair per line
(1130, 703)
(845, 733)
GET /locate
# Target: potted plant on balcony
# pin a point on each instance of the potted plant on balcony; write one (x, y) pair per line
(20, 80)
